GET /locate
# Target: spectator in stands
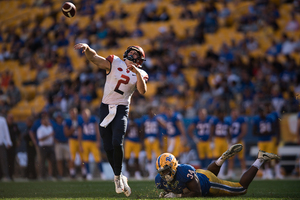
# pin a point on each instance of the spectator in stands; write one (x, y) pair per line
(92, 27)
(4, 107)
(252, 44)
(30, 150)
(225, 12)
(210, 19)
(150, 8)
(84, 95)
(225, 53)
(6, 77)
(87, 8)
(111, 14)
(94, 43)
(164, 16)
(274, 49)
(91, 87)
(296, 6)
(122, 33)
(288, 45)
(5, 144)
(4, 54)
(122, 14)
(111, 42)
(13, 94)
(137, 32)
(293, 24)
(142, 16)
(45, 135)
(61, 147)
(186, 13)
(41, 74)
(15, 139)
(65, 64)
(61, 40)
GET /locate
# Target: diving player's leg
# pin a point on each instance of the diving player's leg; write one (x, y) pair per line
(215, 166)
(249, 175)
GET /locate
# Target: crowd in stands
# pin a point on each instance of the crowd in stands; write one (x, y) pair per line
(227, 77)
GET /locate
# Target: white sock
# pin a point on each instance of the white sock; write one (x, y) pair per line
(222, 170)
(277, 169)
(83, 170)
(72, 171)
(258, 163)
(220, 161)
(150, 168)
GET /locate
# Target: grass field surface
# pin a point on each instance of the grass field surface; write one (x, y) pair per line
(263, 190)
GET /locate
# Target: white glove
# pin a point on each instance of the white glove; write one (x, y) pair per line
(162, 194)
(172, 195)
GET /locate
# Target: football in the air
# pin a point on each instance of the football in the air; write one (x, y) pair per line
(68, 9)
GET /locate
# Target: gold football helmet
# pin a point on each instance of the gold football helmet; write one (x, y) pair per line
(166, 165)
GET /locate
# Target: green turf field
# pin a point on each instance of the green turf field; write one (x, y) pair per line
(277, 189)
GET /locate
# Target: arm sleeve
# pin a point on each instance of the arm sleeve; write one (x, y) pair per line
(110, 58)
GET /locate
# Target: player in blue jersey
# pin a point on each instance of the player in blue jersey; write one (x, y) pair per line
(151, 124)
(89, 142)
(132, 144)
(275, 137)
(182, 180)
(220, 136)
(238, 130)
(202, 135)
(175, 131)
(71, 126)
(263, 129)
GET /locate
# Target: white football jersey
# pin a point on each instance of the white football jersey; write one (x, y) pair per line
(120, 83)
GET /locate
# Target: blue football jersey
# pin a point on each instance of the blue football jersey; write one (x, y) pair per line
(202, 128)
(172, 129)
(235, 125)
(88, 129)
(151, 126)
(74, 123)
(221, 127)
(185, 173)
(263, 126)
(132, 133)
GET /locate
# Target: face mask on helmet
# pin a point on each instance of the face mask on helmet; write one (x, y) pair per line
(166, 174)
(166, 165)
(140, 59)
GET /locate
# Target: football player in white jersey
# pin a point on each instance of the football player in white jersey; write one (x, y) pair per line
(123, 77)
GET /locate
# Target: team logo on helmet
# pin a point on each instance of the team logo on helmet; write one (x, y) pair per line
(166, 165)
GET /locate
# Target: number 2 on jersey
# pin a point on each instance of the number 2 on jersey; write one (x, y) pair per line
(126, 81)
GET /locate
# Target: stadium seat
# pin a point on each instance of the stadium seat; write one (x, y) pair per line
(190, 76)
(151, 88)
